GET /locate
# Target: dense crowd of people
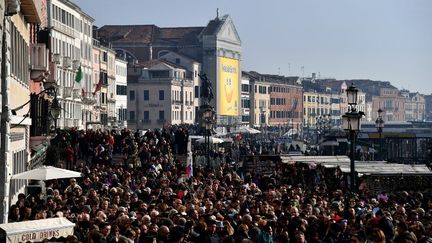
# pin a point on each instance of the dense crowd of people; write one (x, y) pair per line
(148, 195)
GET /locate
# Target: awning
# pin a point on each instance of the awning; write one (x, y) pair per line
(381, 168)
(36, 230)
(330, 143)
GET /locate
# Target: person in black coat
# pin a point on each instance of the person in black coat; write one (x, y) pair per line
(385, 225)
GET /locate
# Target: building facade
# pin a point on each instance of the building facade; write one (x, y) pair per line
(428, 107)
(217, 46)
(315, 105)
(391, 102)
(18, 22)
(414, 106)
(120, 92)
(260, 101)
(193, 68)
(286, 105)
(245, 101)
(71, 45)
(161, 95)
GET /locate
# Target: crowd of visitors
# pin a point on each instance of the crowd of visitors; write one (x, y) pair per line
(148, 196)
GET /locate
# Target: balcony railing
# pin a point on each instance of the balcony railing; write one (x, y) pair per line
(67, 92)
(177, 102)
(146, 121)
(77, 94)
(161, 121)
(88, 98)
(64, 28)
(67, 62)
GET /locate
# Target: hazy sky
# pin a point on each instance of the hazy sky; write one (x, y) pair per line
(345, 39)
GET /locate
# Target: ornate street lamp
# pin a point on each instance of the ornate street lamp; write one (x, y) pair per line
(379, 123)
(351, 124)
(208, 121)
(55, 111)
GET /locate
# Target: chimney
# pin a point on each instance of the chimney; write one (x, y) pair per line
(150, 52)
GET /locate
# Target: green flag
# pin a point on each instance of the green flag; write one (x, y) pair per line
(79, 75)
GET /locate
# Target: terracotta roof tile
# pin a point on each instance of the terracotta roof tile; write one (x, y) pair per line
(147, 34)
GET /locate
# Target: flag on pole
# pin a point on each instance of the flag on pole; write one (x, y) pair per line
(189, 165)
(79, 75)
(98, 87)
(189, 159)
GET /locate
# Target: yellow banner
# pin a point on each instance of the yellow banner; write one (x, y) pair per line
(228, 86)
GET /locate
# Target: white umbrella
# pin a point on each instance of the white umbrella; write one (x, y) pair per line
(212, 140)
(46, 173)
(247, 130)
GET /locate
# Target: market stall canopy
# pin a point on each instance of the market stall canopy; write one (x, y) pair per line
(330, 143)
(36, 230)
(212, 140)
(46, 173)
(361, 167)
(387, 169)
(247, 130)
(314, 159)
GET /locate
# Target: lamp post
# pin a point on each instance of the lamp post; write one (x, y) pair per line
(379, 123)
(291, 128)
(55, 111)
(317, 126)
(351, 124)
(208, 124)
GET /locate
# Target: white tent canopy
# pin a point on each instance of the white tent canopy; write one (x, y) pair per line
(212, 140)
(361, 167)
(247, 130)
(46, 173)
(36, 230)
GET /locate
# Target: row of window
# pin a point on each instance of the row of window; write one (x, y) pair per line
(146, 116)
(264, 90)
(20, 58)
(70, 20)
(65, 48)
(122, 114)
(260, 89)
(279, 89)
(278, 101)
(19, 161)
(285, 114)
(176, 94)
(70, 110)
(317, 111)
(320, 100)
(245, 103)
(121, 71)
(177, 115)
(121, 90)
